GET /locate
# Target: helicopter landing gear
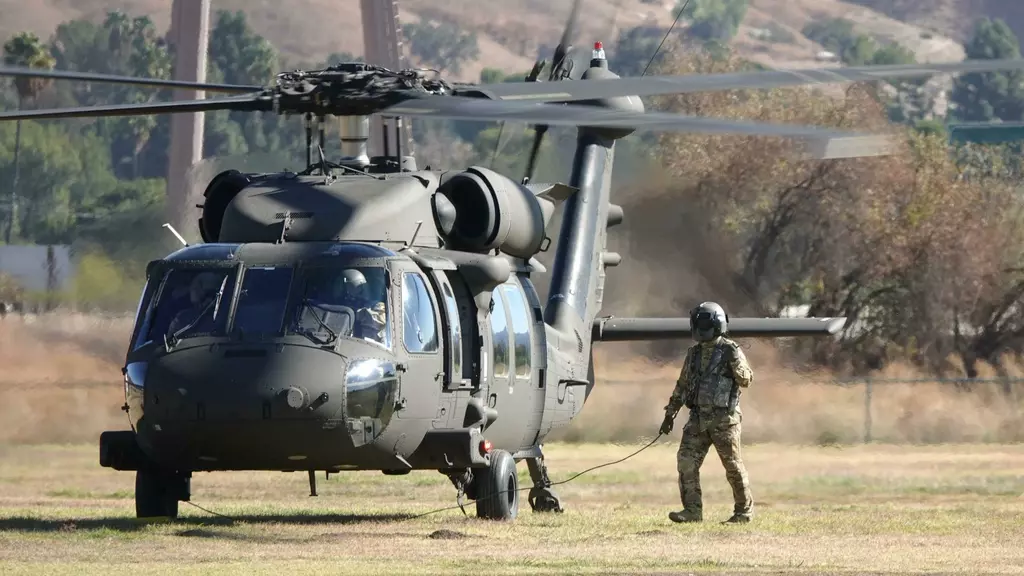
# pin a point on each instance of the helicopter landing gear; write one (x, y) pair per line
(158, 492)
(497, 488)
(541, 498)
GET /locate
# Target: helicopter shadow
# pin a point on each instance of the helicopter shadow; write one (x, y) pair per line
(193, 525)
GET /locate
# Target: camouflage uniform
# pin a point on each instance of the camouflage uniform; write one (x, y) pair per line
(715, 418)
(371, 321)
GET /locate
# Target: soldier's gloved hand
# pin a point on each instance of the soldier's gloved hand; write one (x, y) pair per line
(666, 424)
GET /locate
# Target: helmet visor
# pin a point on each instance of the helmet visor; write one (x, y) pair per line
(704, 322)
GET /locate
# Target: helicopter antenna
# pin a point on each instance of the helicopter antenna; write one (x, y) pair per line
(664, 38)
(175, 232)
(325, 167)
(419, 223)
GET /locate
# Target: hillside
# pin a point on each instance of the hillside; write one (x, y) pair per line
(510, 31)
(953, 17)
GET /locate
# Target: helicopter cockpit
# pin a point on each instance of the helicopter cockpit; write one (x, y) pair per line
(349, 301)
(341, 292)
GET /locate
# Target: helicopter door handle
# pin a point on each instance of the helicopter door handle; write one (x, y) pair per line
(400, 367)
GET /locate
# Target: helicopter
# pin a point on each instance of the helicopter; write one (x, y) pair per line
(369, 315)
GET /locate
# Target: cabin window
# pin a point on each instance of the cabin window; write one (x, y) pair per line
(344, 303)
(520, 328)
(262, 300)
(455, 327)
(499, 334)
(193, 302)
(420, 326)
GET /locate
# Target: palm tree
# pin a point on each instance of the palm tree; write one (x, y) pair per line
(24, 49)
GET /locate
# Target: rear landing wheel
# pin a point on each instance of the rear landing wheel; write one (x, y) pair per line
(157, 493)
(497, 488)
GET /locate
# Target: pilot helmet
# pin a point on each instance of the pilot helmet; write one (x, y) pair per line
(351, 283)
(708, 321)
(203, 287)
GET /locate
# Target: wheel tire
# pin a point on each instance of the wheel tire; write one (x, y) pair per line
(497, 488)
(154, 495)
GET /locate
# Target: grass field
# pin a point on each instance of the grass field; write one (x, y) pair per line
(865, 509)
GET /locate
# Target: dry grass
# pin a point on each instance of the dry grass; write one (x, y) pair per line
(857, 509)
(853, 510)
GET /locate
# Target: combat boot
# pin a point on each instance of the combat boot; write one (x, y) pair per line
(738, 519)
(685, 516)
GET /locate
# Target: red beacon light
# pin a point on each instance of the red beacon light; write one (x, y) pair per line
(485, 447)
(598, 51)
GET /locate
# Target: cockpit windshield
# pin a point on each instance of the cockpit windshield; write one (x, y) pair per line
(192, 303)
(344, 302)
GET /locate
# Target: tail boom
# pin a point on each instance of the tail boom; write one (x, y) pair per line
(611, 329)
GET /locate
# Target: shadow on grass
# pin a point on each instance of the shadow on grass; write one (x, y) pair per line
(125, 524)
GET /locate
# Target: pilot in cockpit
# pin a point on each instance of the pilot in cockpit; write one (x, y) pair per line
(202, 292)
(351, 290)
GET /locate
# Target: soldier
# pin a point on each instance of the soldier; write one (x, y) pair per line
(714, 371)
(370, 313)
(202, 292)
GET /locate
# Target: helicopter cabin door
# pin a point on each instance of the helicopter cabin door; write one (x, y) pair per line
(418, 343)
(509, 393)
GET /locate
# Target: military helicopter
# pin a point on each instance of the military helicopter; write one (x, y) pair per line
(366, 314)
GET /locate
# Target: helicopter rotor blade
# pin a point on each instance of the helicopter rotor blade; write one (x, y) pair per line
(570, 90)
(248, 103)
(825, 142)
(20, 72)
(558, 73)
(565, 43)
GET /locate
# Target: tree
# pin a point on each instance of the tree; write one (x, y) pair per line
(985, 96)
(443, 46)
(635, 49)
(766, 229)
(716, 19)
(238, 55)
(24, 49)
(126, 46)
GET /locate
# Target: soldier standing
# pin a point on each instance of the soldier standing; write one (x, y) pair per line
(709, 385)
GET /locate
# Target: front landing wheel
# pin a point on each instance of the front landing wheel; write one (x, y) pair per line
(497, 488)
(157, 494)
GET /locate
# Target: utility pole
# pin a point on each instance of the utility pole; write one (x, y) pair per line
(189, 34)
(382, 42)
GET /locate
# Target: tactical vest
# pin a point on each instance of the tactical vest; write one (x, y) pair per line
(715, 386)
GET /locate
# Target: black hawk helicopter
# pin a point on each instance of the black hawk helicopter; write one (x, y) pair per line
(368, 315)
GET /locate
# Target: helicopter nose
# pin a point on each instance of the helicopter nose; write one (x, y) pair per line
(246, 383)
(266, 406)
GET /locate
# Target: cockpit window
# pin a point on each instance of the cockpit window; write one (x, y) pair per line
(262, 300)
(193, 302)
(344, 302)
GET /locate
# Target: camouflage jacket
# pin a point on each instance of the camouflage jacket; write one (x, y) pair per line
(718, 387)
(371, 322)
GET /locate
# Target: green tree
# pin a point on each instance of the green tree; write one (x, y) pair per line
(985, 96)
(716, 19)
(23, 49)
(634, 49)
(125, 46)
(139, 51)
(443, 46)
(241, 56)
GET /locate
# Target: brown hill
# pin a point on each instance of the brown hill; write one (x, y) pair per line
(510, 31)
(953, 17)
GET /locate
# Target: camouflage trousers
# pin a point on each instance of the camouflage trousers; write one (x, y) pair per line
(703, 429)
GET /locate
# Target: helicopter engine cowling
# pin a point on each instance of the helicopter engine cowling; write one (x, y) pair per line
(219, 193)
(480, 210)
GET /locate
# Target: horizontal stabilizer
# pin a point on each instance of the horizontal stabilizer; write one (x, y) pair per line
(557, 192)
(611, 329)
